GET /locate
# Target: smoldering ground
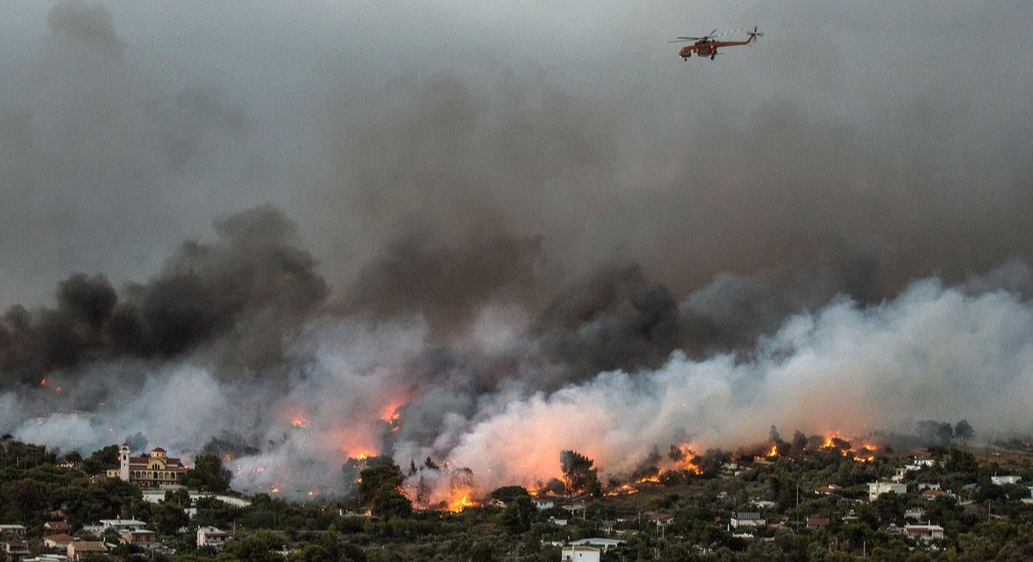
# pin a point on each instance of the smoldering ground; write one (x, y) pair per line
(505, 250)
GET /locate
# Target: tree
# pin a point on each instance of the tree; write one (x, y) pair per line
(964, 430)
(519, 514)
(374, 478)
(101, 460)
(25, 496)
(389, 503)
(209, 474)
(578, 473)
(934, 432)
(168, 518)
(509, 493)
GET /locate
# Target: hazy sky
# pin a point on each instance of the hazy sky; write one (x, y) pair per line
(129, 126)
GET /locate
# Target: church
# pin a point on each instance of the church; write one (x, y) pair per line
(151, 472)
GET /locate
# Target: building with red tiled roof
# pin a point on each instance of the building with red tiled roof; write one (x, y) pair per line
(154, 471)
(58, 541)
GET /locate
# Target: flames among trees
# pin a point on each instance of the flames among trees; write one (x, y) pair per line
(579, 475)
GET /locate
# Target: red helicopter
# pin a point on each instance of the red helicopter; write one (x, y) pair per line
(706, 46)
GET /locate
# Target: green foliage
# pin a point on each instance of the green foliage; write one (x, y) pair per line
(519, 514)
(208, 474)
(167, 518)
(509, 493)
(101, 460)
(263, 546)
(389, 503)
(373, 478)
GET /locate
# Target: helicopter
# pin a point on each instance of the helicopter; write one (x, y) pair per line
(707, 46)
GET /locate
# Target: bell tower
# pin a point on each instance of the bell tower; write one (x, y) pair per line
(123, 462)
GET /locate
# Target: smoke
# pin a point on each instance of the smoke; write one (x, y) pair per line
(235, 298)
(488, 258)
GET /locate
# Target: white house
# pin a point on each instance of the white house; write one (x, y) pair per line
(580, 554)
(924, 533)
(122, 524)
(876, 489)
(16, 531)
(1002, 480)
(210, 537)
(604, 544)
(747, 519)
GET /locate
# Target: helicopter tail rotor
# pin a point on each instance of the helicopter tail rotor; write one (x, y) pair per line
(753, 36)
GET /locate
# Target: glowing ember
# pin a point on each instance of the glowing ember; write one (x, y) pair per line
(299, 421)
(622, 490)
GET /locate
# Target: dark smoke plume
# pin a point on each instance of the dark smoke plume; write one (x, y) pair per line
(249, 287)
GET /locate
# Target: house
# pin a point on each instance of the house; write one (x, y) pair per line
(763, 504)
(154, 471)
(746, 519)
(92, 529)
(876, 489)
(915, 513)
(924, 533)
(580, 554)
(827, 490)
(1002, 480)
(933, 494)
(57, 526)
(120, 524)
(12, 531)
(59, 541)
(922, 486)
(79, 550)
(15, 550)
(815, 522)
(139, 537)
(558, 521)
(604, 544)
(47, 558)
(575, 509)
(661, 519)
(210, 537)
(542, 505)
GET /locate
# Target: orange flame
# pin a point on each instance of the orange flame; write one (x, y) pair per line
(458, 504)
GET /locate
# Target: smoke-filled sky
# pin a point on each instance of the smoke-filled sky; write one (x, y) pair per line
(531, 225)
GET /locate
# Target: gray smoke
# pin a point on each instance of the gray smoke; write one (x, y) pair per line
(495, 242)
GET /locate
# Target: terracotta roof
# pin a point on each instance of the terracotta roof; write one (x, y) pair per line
(89, 546)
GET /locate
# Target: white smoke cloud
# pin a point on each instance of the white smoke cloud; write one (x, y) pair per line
(931, 353)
